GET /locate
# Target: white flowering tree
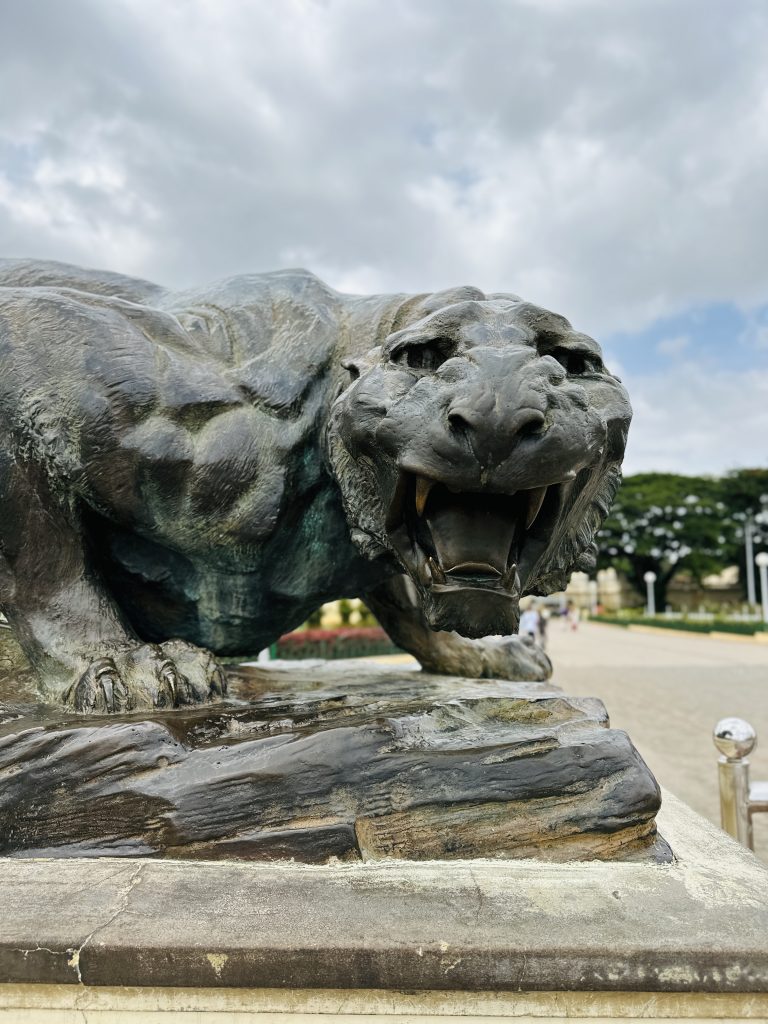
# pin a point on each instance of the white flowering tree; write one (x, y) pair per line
(665, 522)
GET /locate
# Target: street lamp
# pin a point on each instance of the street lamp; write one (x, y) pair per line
(749, 532)
(761, 561)
(650, 579)
(752, 520)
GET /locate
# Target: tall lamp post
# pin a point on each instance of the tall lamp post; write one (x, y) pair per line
(761, 561)
(749, 533)
(650, 579)
(753, 531)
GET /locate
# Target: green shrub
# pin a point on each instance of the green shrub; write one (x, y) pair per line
(687, 625)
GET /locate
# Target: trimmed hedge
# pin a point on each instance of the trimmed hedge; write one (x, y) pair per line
(686, 625)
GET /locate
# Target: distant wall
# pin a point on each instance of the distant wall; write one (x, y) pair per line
(613, 591)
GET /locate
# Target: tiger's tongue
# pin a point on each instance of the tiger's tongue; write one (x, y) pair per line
(466, 534)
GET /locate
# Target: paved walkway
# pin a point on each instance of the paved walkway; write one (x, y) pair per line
(668, 691)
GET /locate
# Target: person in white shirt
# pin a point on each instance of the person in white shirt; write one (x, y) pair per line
(529, 622)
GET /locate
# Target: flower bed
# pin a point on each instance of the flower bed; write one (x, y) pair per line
(345, 642)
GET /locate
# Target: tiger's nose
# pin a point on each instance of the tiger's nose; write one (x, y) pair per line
(490, 435)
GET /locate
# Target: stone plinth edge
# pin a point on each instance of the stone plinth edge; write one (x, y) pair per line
(66, 1004)
(697, 925)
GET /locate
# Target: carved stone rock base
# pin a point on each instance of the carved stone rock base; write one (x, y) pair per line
(349, 760)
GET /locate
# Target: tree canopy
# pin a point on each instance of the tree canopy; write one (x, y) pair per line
(666, 522)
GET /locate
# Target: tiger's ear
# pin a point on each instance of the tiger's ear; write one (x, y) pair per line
(358, 365)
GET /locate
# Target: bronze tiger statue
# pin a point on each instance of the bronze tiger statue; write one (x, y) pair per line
(191, 474)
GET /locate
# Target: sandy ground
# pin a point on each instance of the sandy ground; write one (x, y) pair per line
(668, 691)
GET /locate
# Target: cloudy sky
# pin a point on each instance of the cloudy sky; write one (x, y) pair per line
(607, 159)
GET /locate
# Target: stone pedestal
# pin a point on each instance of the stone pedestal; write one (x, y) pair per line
(105, 939)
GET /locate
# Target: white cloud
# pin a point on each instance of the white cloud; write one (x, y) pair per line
(673, 346)
(698, 422)
(606, 159)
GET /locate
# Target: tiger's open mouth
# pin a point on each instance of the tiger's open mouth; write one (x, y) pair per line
(465, 549)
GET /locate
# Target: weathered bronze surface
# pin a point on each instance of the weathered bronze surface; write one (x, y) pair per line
(338, 760)
(189, 475)
(196, 472)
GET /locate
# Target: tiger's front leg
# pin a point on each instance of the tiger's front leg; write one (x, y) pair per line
(83, 651)
(513, 657)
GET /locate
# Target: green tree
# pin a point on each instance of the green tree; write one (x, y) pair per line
(745, 494)
(314, 619)
(665, 522)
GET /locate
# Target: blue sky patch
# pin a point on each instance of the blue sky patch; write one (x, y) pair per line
(719, 335)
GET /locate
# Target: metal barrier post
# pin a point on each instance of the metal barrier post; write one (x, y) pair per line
(735, 739)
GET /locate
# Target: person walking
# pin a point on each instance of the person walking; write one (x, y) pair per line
(543, 623)
(529, 622)
(573, 616)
